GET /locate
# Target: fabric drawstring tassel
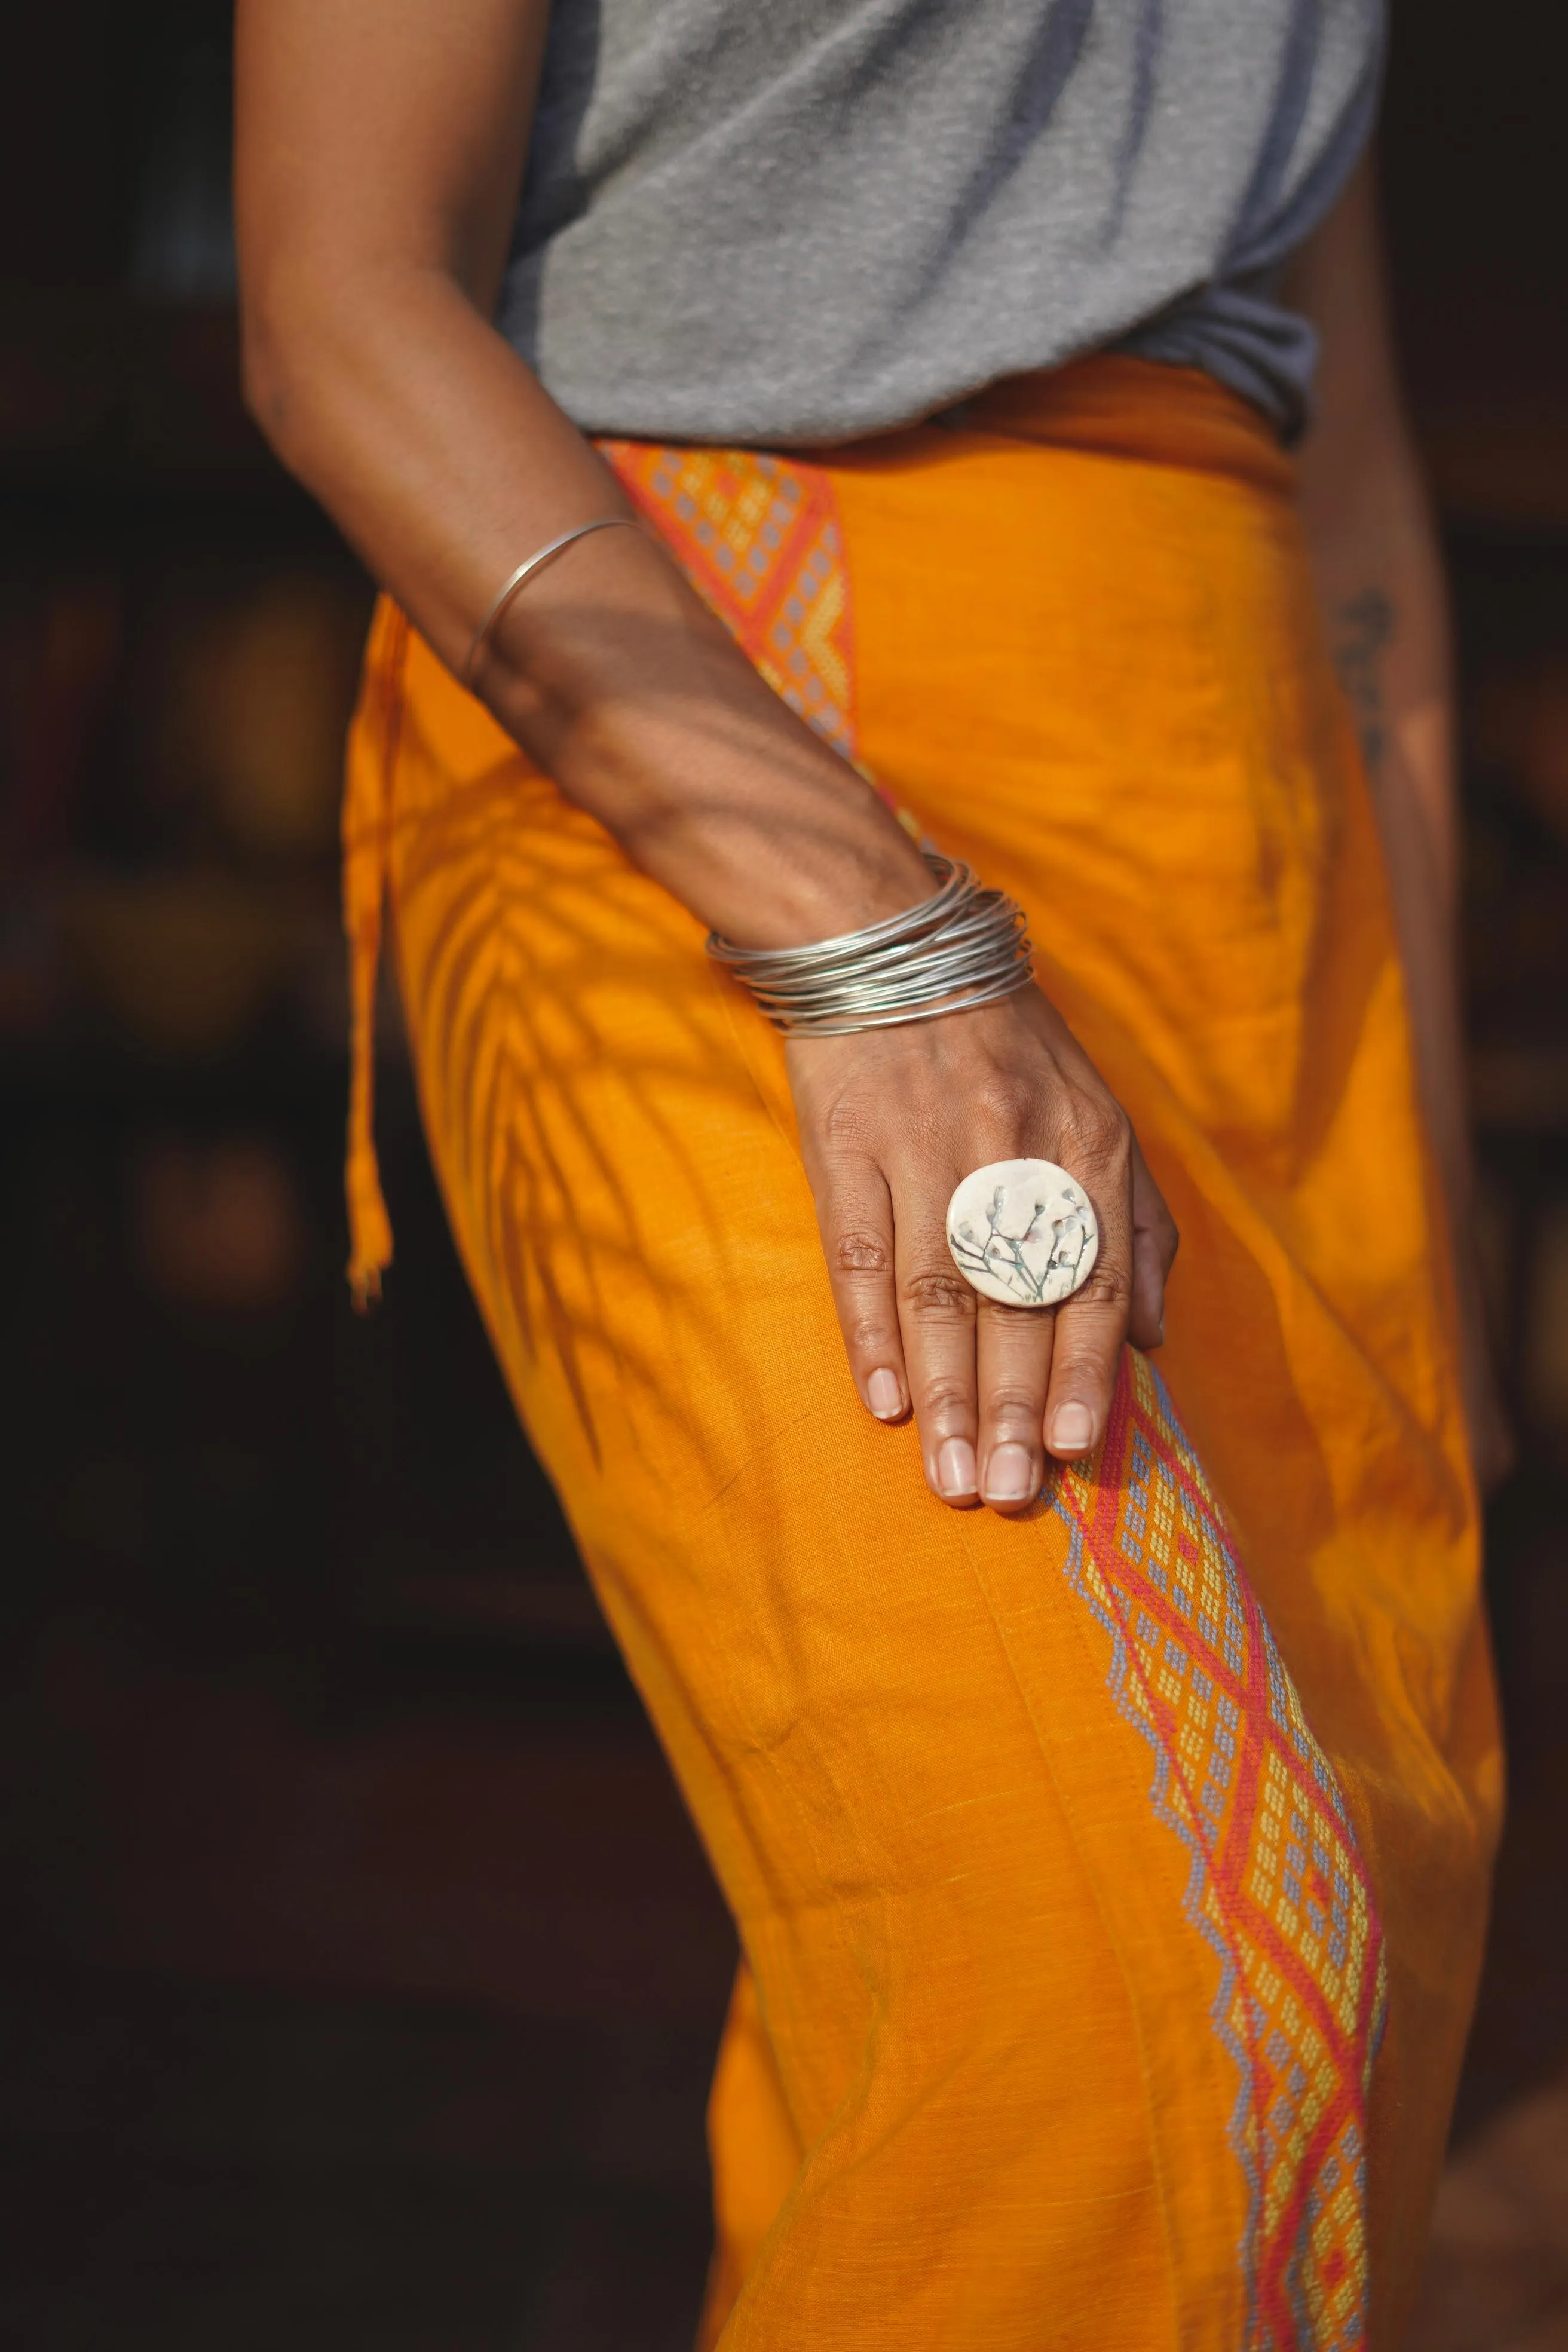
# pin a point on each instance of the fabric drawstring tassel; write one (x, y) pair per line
(370, 1227)
(367, 821)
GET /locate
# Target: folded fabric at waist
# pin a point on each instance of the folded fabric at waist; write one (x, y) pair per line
(1112, 405)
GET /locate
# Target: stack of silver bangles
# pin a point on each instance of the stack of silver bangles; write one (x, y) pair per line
(964, 945)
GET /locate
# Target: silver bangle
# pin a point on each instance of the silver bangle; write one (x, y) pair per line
(525, 571)
(963, 946)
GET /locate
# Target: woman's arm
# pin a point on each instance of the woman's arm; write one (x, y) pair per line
(380, 146)
(379, 151)
(1381, 580)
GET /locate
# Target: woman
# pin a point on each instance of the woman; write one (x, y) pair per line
(1088, 1996)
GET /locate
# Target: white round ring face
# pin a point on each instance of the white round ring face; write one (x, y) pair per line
(1023, 1232)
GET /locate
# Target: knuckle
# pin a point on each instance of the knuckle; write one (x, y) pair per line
(860, 1251)
(938, 1294)
(945, 1399)
(868, 1338)
(1015, 1404)
(1107, 1286)
(1005, 1101)
(842, 1128)
(1097, 1131)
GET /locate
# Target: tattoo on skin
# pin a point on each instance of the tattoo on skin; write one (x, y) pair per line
(1364, 627)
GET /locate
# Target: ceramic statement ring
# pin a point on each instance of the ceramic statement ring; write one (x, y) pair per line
(1023, 1233)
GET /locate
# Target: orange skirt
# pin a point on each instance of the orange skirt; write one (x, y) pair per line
(1068, 1944)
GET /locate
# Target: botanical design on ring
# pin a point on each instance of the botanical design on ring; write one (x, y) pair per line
(1014, 1259)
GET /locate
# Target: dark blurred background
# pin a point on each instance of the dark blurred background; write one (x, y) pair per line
(361, 1975)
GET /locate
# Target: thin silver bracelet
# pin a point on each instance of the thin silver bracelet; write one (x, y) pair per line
(963, 946)
(524, 574)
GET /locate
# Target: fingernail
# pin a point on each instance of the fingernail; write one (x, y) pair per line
(1009, 1475)
(955, 1468)
(1072, 1429)
(884, 1395)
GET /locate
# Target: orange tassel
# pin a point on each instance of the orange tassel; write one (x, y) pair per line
(367, 841)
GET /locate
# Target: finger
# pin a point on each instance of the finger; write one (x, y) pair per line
(856, 1216)
(1154, 1243)
(1092, 1325)
(936, 1316)
(1013, 1368)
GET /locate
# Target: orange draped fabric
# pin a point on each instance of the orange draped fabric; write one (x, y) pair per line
(1090, 1997)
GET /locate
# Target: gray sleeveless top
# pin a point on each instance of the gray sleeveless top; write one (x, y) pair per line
(778, 220)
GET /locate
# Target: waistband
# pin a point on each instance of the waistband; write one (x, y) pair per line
(1111, 404)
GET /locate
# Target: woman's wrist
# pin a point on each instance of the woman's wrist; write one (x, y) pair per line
(617, 681)
(770, 845)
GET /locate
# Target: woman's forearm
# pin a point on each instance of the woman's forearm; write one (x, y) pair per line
(1381, 590)
(1380, 580)
(444, 461)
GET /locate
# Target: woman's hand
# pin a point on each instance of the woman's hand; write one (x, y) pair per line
(890, 1121)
